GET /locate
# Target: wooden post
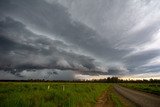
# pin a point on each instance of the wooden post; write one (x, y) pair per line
(63, 87)
(48, 87)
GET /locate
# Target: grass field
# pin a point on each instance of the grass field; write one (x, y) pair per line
(54, 94)
(146, 87)
(21, 94)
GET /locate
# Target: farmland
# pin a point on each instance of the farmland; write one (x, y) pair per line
(68, 94)
(32, 94)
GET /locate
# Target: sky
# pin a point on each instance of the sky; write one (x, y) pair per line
(79, 39)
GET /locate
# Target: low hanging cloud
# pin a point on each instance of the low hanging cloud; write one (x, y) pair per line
(88, 37)
(48, 74)
(33, 51)
(117, 70)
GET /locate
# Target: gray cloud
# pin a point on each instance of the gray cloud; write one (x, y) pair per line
(48, 74)
(139, 59)
(33, 51)
(88, 37)
(72, 31)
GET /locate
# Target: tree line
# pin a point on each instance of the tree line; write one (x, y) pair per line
(105, 80)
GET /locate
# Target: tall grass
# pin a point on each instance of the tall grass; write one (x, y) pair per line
(16, 94)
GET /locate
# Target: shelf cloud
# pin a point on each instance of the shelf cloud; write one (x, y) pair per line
(59, 39)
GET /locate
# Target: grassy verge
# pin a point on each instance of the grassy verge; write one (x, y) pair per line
(146, 87)
(114, 97)
(116, 100)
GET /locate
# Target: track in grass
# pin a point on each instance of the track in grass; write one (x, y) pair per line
(110, 98)
(105, 100)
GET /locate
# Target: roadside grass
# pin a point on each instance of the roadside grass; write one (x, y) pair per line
(153, 88)
(32, 94)
(115, 97)
(116, 100)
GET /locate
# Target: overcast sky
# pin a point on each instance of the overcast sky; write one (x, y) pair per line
(82, 39)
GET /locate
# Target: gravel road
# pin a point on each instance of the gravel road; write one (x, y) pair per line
(140, 98)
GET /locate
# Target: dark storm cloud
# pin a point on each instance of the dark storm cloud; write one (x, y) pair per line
(152, 68)
(26, 50)
(142, 58)
(58, 22)
(143, 36)
(117, 71)
(49, 74)
(92, 73)
(88, 37)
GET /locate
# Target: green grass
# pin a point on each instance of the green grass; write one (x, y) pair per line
(116, 100)
(32, 94)
(146, 87)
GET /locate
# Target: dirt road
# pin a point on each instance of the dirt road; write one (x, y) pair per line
(140, 98)
(104, 100)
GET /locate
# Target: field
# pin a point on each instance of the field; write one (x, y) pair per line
(54, 94)
(18, 94)
(152, 88)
